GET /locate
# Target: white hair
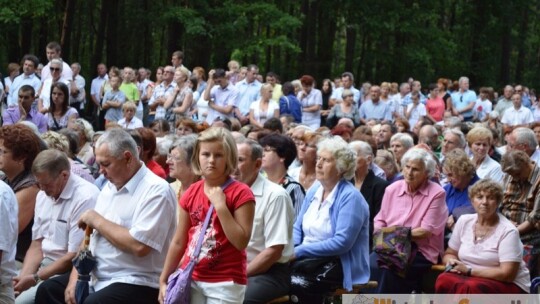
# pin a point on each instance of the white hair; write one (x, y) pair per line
(361, 147)
(422, 155)
(344, 155)
(405, 139)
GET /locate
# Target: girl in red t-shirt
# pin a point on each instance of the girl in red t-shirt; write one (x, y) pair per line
(220, 272)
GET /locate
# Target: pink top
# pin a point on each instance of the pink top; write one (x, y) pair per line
(503, 245)
(426, 208)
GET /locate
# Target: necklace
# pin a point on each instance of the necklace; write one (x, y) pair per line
(478, 237)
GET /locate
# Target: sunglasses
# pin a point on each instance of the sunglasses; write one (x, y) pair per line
(54, 69)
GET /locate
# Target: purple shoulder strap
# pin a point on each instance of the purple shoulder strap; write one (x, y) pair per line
(207, 221)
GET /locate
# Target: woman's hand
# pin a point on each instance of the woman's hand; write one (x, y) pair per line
(216, 196)
(450, 222)
(458, 267)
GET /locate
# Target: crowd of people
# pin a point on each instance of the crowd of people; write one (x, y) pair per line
(300, 180)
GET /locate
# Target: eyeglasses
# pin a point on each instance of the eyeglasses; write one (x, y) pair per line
(172, 157)
(55, 69)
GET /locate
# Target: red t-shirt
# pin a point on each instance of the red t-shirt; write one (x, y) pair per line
(219, 260)
(435, 107)
(156, 168)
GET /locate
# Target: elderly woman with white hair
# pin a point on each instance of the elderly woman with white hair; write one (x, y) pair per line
(418, 203)
(399, 144)
(331, 232)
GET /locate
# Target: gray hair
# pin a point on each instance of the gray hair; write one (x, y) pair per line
(459, 134)
(525, 136)
(344, 155)
(52, 162)
(362, 148)
(422, 155)
(255, 147)
(163, 144)
(87, 128)
(118, 141)
(59, 62)
(186, 144)
(405, 139)
(463, 78)
(453, 121)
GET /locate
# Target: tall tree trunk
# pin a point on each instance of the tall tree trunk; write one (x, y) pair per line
(522, 36)
(112, 31)
(326, 33)
(27, 27)
(97, 56)
(350, 34)
(506, 46)
(67, 27)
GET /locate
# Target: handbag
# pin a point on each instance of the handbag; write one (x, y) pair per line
(179, 282)
(394, 248)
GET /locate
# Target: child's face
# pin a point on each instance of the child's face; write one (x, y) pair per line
(115, 82)
(212, 159)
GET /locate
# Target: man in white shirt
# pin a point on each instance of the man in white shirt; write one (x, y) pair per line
(54, 51)
(134, 221)
(221, 96)
(524, 139)
(516, 116)
(270, 246)
(347, 83)
(77, 94)
(29, 77)
(248, 92)
(55, 235)
(8, 242)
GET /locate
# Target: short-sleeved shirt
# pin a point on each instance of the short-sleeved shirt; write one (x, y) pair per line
(218, 260)
(311, 119)
(160, 91)
(95, 88)
(416, 113)
(222, 97)
(503, 245)
(130, 91)
(114, 114)
(426, 208)
(489, 168)
(435, 107)
(482, 108)
(55, 221)
(248, 93)
(337, 94)
(62, 122)
(146, 206)
(261, 116)
(273, 220)
(18, 82)
(380, 110)
(9, 210)
(513, 117)
(461, 100)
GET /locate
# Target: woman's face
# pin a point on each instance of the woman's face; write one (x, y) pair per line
(362, 162)
(325, 169)
(266, 93)
(183, 130)
(326, 86)
(306, 88)
(179, 77)
(414, 174)
(537, 133)
(271, 159)
(397, 147)
(129, 114)
(159, 75)
(7, 163)
(400, 127)
(457, 181)
(480, 148)
(485, 204)
(14, 73)
(384, 92)
(177, 165)
(57, 96)
(309, 151)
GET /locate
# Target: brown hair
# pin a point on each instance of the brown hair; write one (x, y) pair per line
(22, 141)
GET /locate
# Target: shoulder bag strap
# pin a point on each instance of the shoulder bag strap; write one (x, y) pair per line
(207, 221)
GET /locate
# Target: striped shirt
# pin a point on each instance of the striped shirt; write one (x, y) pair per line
(296, 192)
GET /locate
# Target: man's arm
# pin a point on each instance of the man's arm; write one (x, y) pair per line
(117, 235)
(32, 260)
(264, 260)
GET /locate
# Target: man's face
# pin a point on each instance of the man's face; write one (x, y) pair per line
(251, 75)
(176, 61)
(516, 101)
(25, 100)
(404, 89)
(101, 70)
(346, 82)
(168, 74)
(142, 74)
(271, 80)
(114, 169)
(384, 135)
(450, 142)
(248, 168)
(375, 93)
(75, 69)
(428, 138)
(508, 91)
(416, 86)
(464, 85)
(52, 54)
(52, 185)
(28, 67)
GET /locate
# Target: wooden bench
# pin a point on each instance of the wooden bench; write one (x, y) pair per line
(283, 299)
(357, 288)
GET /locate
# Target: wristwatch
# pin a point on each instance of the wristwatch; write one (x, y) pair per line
(36, 278)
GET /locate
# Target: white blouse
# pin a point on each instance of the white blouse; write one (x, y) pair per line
(316, 222)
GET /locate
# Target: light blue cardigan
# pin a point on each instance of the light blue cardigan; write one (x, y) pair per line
(349, 218)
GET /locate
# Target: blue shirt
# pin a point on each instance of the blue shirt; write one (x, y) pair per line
(349, 218)
(379, 111)
(13, 115)
(456, 198)
(114, 114)
(247, 94)
(461, 100)
(407, 99)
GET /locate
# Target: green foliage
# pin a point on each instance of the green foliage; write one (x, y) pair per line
(11, 12)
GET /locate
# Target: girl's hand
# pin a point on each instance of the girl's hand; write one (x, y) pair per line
(162, 292)
(216, 196)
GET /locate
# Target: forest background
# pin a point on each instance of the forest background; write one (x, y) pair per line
(493, 42)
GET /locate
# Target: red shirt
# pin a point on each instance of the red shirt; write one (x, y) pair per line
(156, 168)
(219, 260)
